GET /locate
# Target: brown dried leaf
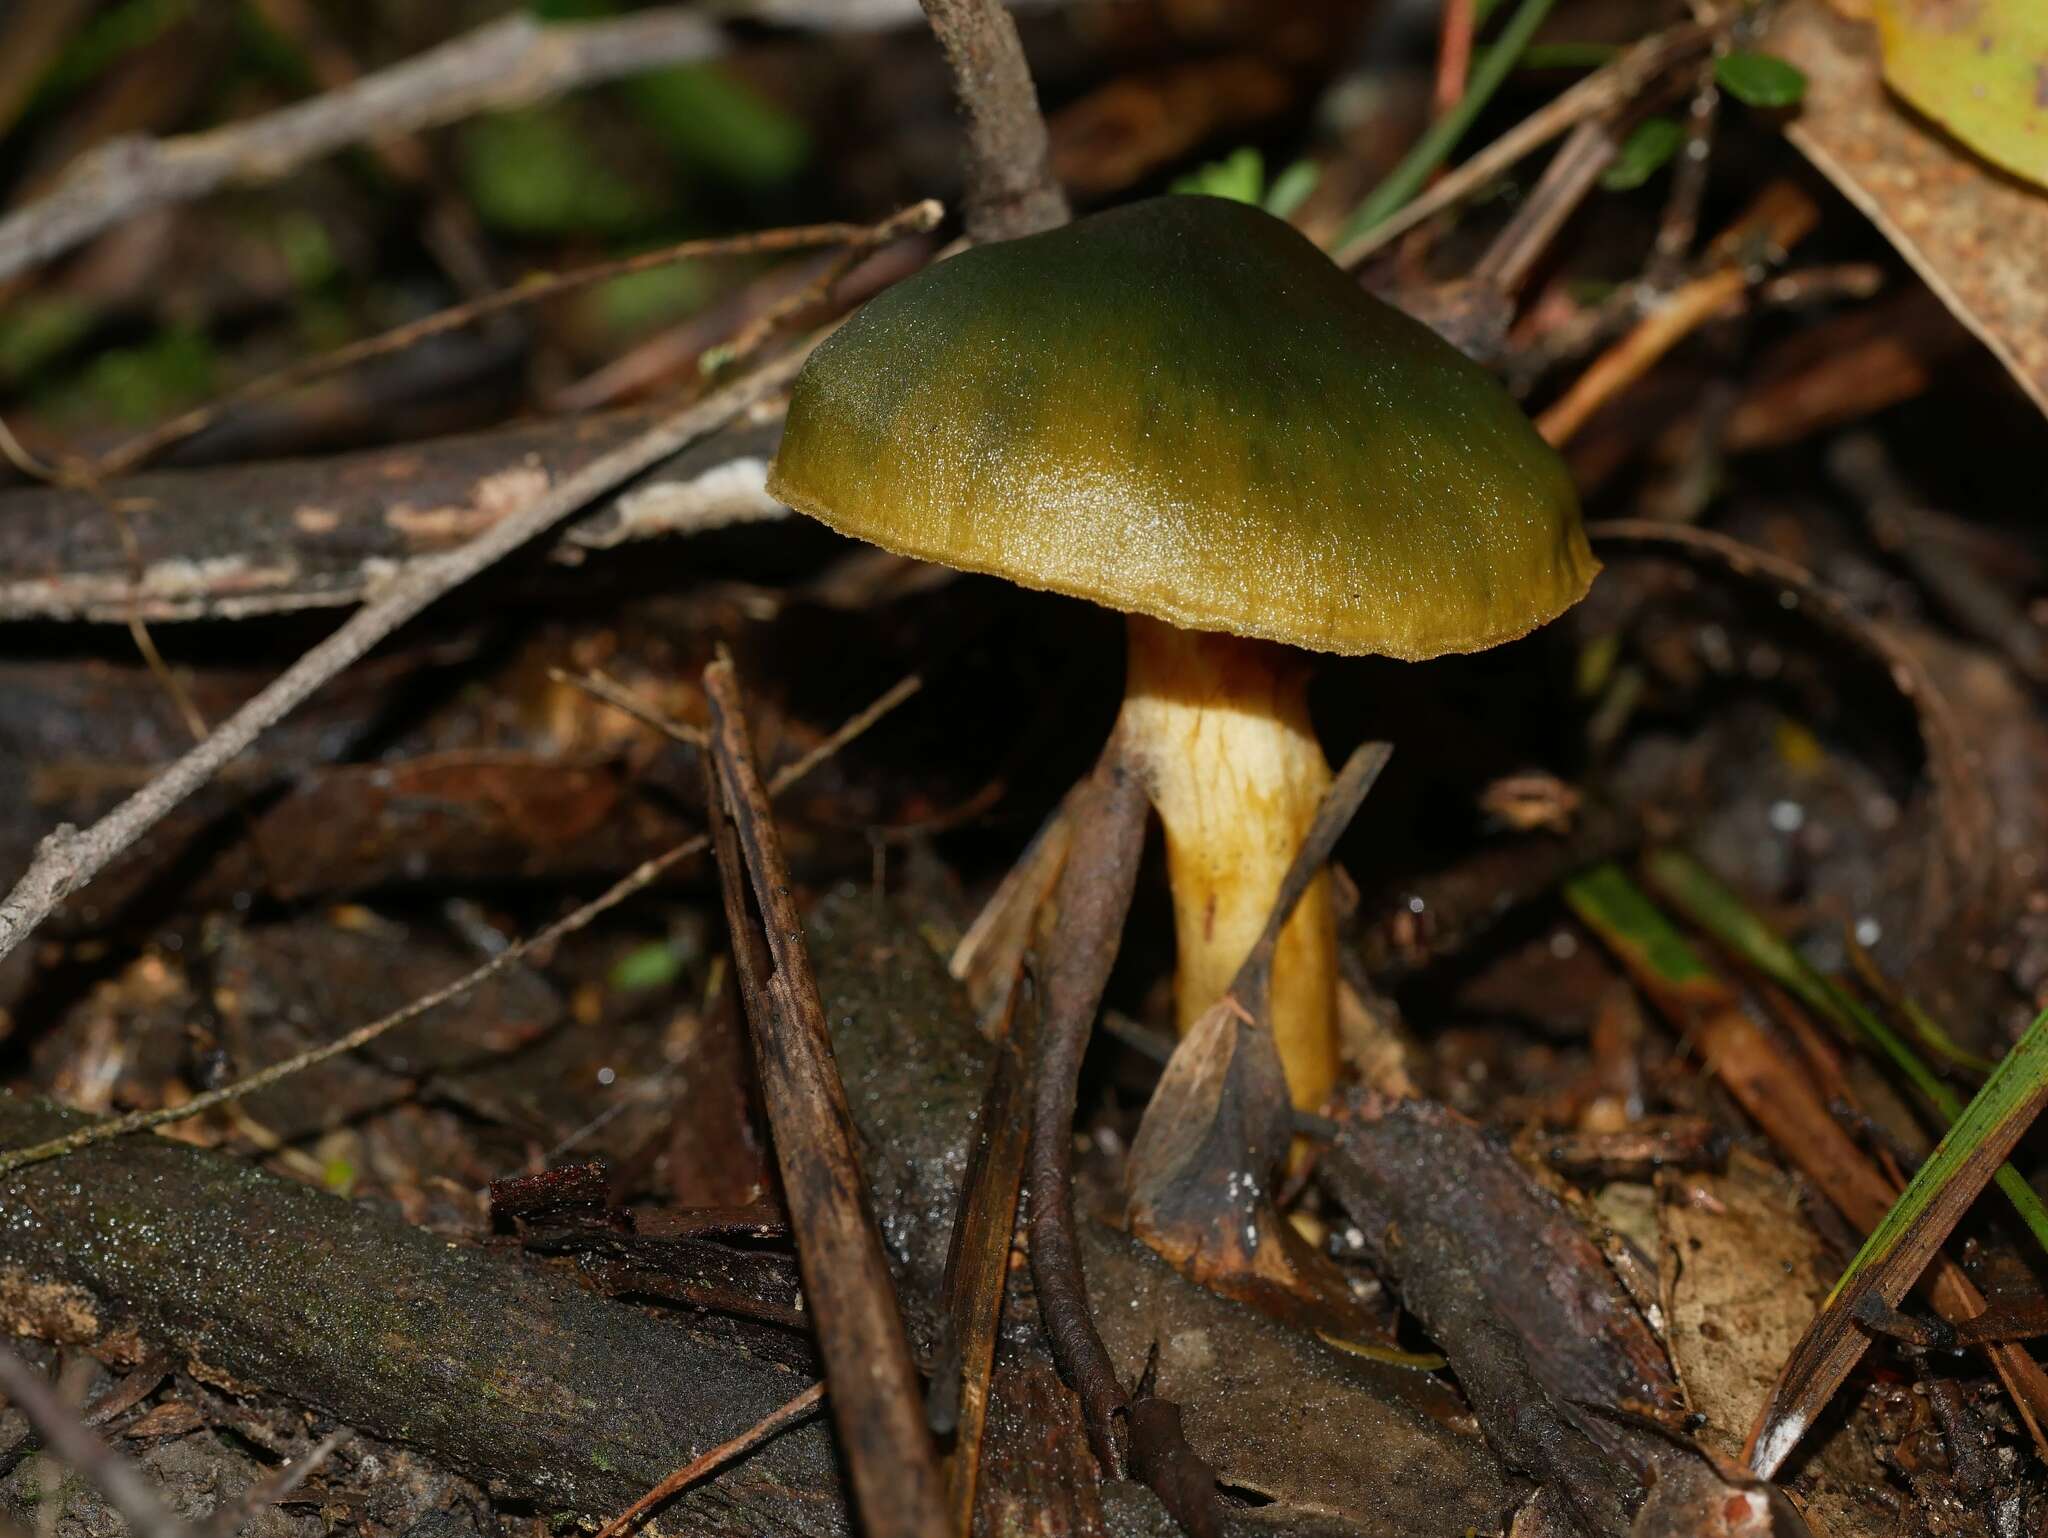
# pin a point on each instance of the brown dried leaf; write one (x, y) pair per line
(1979, 239)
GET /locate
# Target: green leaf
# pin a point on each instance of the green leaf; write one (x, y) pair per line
(1645, 153)
(1239, 177)
(1760, 79)
(533, 172)
(647, 967)
(1290, 189)
(716, 123)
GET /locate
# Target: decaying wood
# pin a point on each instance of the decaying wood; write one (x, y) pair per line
(67, 858)
(279, 537)
(519, 1378)
(506, 64)
(1510, 1288)
(876, 1404)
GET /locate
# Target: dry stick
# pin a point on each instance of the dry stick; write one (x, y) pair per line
(876, 1404)
(506, 64)
(600, 685)
(66, 859)
(232, 1516)
(1676, 317)
(717, 1458)
(128, 456)
(1010, 186)
(1606, 88)
(1963, 805)
(1252, 986)
(1564, 184)
(1092, 899)
(65, 1435)
(1680, 222)
(641, 877)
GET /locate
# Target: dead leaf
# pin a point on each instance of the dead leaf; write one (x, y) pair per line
(1978, 239)
(1743, 1273)
(1977, 67)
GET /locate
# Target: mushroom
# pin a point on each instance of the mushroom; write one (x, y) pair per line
(1183, 410)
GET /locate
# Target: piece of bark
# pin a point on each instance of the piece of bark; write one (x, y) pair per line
(520, 1379)
(1513, 1292)
(271, 538)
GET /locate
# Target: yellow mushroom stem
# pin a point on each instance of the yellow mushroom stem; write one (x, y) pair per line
(1220, 727)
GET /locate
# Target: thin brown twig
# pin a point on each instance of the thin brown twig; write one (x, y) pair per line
(234, 1515)
(1604, 89)
(711, 1462)
(1092, 899)
(848, 1290)
(636, 880)
(67, 858)
(600, 685)
(859, 238)
(508, 63)
(1010, 185)
(1680, 222)
(1677, 316)
(65, 1435)
(1779, 217)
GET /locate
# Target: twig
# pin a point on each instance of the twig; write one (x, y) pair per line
(234, 1515)
(449, 229)
(1681, 218)
(1564, 184)
(66, 859)
(1779, 217)
(600, 685)
(506, 64)
(137, 451)
(1092, 899)
(1600, 91)
(847, 1287)
(1677, 316)
(67, 1437)
(635, 880)
(717, 1458)
(1905, 528)
(1010, 186)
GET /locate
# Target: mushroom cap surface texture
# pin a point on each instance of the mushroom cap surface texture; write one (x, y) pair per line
(1182, 407)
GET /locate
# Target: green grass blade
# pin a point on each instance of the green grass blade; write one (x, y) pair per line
(1442, 136)
(1721, 913)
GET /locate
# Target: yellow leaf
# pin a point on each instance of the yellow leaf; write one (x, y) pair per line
(1977, 67)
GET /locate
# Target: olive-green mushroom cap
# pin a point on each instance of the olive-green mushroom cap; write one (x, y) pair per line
(1182, 408)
